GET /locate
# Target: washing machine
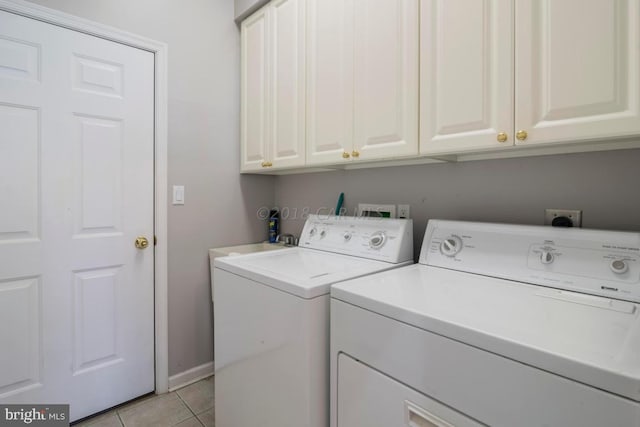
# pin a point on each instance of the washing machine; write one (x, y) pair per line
(271, 318)
(498, 325)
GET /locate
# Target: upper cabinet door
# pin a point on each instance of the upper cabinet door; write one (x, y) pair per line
(287, 100)
(330, 81)
(386, 80)
(254, 74)
(577, 65)
(466, 75)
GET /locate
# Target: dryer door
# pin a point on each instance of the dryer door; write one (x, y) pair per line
(368, 398)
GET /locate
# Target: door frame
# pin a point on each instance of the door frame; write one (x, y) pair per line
(159, 50)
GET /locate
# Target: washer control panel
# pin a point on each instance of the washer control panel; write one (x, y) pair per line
(591, 261)
(382, 239)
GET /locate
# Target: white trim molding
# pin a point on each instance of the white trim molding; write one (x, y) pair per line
(159, 49)
(191, 376)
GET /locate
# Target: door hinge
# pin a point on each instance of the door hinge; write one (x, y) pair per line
(155, 241)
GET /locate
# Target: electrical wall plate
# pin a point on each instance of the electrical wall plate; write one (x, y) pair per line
(574, 215)
(404, 211)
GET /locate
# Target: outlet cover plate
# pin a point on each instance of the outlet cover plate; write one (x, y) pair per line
(404, 211)
(574, 215)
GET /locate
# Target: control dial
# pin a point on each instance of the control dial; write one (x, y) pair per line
(377, 240)
(323, 233)
(546, 257)
(347, 236)
(313, 232)
(619, 266)
(451, 246)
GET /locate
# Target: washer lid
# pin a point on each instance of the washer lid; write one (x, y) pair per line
(306, 273)
(590, 339)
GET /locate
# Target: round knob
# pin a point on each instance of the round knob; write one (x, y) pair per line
(502, 137)
(619, 266)
(451, 246)
(355, 153)
(346, 236)
(313, 232)
(323, 233)
(521, 135)
(141, 242)
(377, 240)
(546, 257)
(346, 155)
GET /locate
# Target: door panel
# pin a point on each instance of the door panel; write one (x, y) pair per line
(288, 83)
(386, 78)
(466, 76)
(254, 74)
(577, 79)
(330, 80)
(78, 116)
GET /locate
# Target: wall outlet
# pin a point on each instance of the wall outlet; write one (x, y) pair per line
(404, 211)
(573, 214)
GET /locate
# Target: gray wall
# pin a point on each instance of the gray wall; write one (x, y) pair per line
(243, 8)
(220, 204)
(606, 186)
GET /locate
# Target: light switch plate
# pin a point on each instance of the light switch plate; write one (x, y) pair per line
(178, 194)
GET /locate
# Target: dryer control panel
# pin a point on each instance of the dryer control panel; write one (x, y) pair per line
(382, 239)
(598, 262)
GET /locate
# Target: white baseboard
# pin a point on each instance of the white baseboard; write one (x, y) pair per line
(190, 376)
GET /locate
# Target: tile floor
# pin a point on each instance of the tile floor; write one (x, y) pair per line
(191, 406)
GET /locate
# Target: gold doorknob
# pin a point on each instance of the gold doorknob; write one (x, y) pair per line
(502, 137)
(521, 135)
(355, 153)
(141, 242)
(346, 155)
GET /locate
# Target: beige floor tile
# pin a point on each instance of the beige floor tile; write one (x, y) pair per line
(198, 396)
(160, 411)
(190, 422)
(109, 419)
(208, 418)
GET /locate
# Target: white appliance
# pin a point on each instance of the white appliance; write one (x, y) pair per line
(499, 325)
(271, 318)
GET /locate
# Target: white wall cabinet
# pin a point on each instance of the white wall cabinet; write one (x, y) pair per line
(572, 79)
(272, 131)
(466, 74)
(362, 89)
(337, 83)
(577, 69)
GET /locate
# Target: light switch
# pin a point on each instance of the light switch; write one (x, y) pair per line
(178, 194)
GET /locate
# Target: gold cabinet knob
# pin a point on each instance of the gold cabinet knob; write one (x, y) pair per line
(267, 164)
(502, 137)
(354, 153)
(141, 242)
(521, 135)
(346, 155)
(264, 164)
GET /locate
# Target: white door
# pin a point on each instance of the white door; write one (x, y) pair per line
(76, 184)
(254, 74)
(577, 65)
(287, 100)
(466, 75)
(386, 78)
(329, 81)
